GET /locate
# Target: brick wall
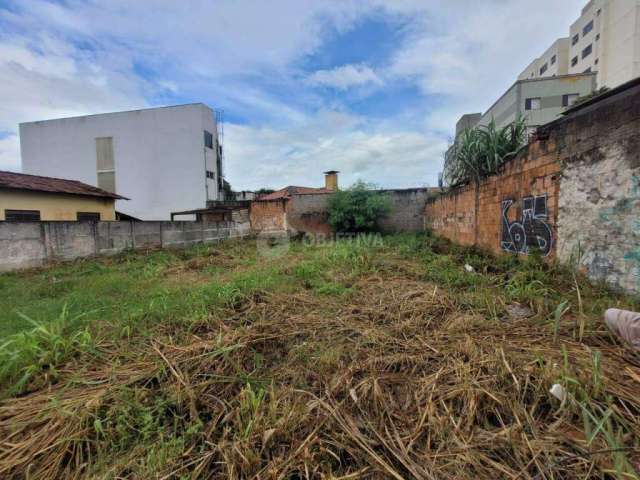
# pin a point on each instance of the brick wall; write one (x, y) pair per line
(268, 216)
(513, 211)
(599, 201)
(309, 213)
(574, 193)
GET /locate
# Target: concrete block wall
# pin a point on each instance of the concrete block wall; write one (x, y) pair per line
(33, 244)
(407, 210)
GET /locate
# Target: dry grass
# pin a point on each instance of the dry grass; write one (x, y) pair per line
(397, 379)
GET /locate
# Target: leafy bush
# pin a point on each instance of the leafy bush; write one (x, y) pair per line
(481, 151)
(358, 209)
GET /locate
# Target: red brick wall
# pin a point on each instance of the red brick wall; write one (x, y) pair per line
(526, 188)
(268, 215)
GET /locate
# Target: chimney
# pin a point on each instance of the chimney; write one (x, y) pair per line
(331, 180)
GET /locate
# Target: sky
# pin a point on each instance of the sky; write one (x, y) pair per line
(370, 88)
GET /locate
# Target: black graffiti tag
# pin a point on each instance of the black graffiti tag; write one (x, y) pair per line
(532, 231)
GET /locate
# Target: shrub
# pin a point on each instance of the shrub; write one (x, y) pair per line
(481, 151)
(358, 209)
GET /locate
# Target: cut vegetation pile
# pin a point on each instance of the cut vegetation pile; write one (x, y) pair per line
(358, 360)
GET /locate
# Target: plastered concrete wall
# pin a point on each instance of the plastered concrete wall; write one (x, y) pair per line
(53, 206)
(268, 216)
(514, 211)
(28, 245)
(599, 219)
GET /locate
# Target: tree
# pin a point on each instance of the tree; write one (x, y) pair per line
(358, 209)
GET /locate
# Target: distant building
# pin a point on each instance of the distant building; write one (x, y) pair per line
(25, 198)
(605, 39)
(537, 101)
(553, 62)
(165, 159)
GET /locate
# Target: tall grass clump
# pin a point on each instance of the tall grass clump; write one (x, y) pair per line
(481, 151)
(42, 349)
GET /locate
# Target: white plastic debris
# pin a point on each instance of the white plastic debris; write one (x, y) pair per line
(625, 324)
(468, 267)
(558, 391)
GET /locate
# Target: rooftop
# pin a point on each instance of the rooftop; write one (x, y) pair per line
(286, 192)
(36, 183)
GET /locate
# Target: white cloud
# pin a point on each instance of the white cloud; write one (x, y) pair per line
(344, 77)
(10, 153)
(331, 140)
(85, 57)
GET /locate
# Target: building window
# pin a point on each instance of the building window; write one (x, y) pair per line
(596, 61)
(599, 11)
(105, 164)
(532, 103)
(574, 61)
(543, 68)
(597, 37)
(211, 175)
(588, 70)
(575, 39)
(208, 139)
(586, 51)
(88, 216)
(553, 60)
(569, 99)
(587, 28)
(22, 215)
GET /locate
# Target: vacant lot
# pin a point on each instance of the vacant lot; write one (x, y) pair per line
(375, 359)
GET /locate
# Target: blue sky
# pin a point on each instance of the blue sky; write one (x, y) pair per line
(370, 88)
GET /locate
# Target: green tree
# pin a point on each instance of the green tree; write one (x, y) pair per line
(358, 209)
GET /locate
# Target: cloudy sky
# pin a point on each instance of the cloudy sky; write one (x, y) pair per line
(370, 88)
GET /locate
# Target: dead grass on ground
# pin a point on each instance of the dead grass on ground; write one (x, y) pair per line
(393, 381)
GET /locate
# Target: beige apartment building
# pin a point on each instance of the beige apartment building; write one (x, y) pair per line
(553, 62)
(605, 39)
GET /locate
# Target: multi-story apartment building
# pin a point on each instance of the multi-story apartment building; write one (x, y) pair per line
(537, 101)
(605, 39)
(553, 62)
(163, 159)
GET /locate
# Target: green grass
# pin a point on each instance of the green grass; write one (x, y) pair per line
(71, 316)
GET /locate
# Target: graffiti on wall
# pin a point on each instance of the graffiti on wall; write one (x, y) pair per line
(529, 232)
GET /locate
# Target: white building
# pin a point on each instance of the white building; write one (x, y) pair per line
(164, 159)
(605, 39)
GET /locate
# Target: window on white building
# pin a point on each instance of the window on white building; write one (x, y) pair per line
(586, 51)
(575, 39)
(587, 28)
(543, 68)
(532, 103)
(574, 61)
(105, 164)
(208, 139)
(553, 60)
